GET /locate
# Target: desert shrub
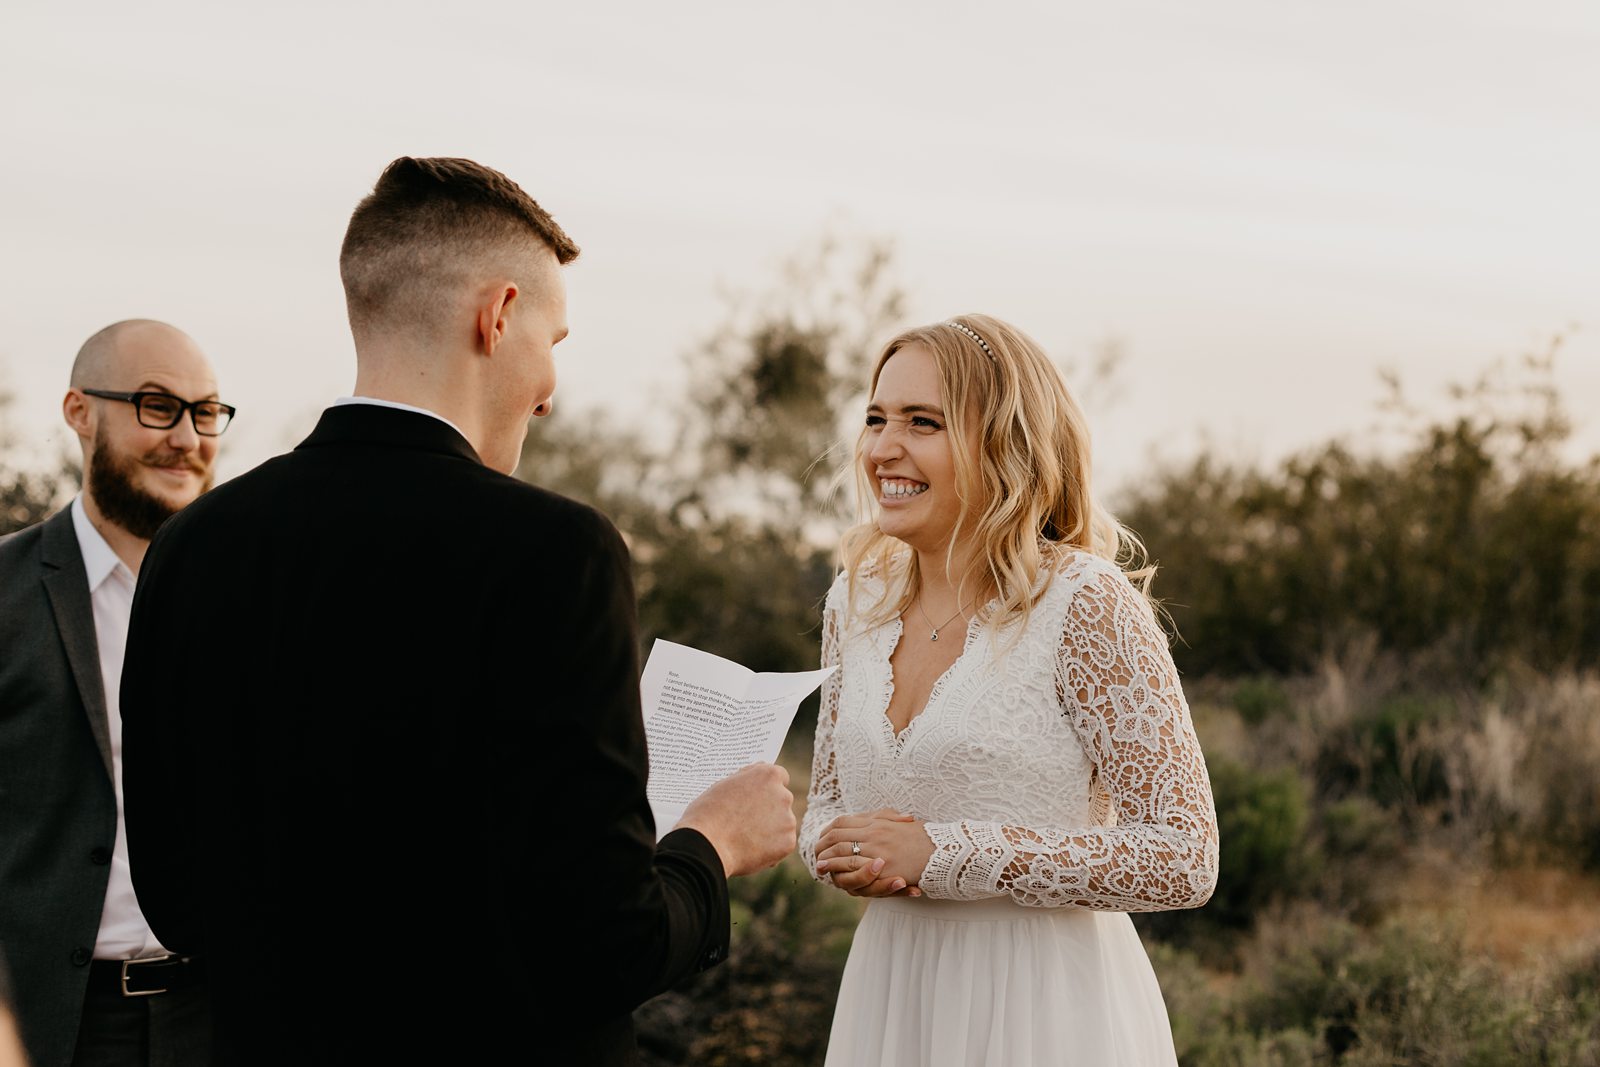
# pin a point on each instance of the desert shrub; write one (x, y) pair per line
(1420, 998)
(1408, 992)
(1295, 980)
(1525, 767)
(1580, 980)
(1204, 1032)
(1357, 829)
(1390, 753)
(1474, 544)
(1260, 698)
(1193, 1005)
(1362, 845)
(1560, 768)
(1266, 857)
(751, 595)
(1263, 818)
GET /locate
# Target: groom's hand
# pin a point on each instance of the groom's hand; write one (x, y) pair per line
(748, 817)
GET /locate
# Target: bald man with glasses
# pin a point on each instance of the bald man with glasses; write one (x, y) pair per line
(91, 983)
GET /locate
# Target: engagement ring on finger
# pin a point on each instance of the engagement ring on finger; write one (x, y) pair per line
(855, 848)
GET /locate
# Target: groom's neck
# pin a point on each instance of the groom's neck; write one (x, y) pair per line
(438, 381)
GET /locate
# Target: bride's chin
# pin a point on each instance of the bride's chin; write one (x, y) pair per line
(907, 538)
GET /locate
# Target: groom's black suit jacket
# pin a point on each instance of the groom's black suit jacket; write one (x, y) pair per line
(384, 765)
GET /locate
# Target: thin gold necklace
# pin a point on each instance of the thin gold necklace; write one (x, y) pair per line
(935, 636)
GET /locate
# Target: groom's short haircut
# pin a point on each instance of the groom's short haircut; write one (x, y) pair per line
(426, 229)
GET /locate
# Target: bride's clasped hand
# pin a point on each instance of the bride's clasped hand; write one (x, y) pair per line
(875, 853)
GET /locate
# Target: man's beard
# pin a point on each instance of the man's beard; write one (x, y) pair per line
(119, 496)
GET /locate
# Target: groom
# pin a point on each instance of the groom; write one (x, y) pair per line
(384, 760)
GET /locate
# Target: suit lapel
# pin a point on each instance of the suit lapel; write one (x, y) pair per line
(67, 585)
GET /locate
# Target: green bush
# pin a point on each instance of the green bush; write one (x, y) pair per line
(1410, 993)
(1205, 1033)
(1262, 818)
(1266, 857)
(1362, 845)
(1477, 544)
(1559, 772)
(1260, 698)
(1390, 753)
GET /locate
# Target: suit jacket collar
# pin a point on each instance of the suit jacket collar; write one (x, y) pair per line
(66, 583)
(369, 424)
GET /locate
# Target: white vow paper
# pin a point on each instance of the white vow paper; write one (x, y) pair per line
(705, 717)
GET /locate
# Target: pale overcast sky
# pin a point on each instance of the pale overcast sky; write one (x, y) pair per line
(1264, 201)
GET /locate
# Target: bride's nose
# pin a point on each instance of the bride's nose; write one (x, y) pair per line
(884, 445)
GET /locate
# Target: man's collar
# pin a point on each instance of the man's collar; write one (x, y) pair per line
(99, 558)
(388, 425)
(343, 400)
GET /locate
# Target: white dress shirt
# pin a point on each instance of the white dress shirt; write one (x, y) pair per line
(124, 934)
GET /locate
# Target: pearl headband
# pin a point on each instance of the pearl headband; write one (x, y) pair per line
(970, 332)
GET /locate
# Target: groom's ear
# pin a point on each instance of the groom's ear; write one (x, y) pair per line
(494, 315)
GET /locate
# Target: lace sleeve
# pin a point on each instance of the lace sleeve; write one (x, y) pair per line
(824, 801)
(1120, 690)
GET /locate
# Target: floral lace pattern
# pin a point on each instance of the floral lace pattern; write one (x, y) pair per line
(1056, 763)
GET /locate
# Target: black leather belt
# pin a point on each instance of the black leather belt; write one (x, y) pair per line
(146, 977)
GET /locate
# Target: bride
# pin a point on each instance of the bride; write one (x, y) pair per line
(1004, 761)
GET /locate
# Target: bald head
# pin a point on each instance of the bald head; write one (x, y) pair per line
(119, 356)
(140, 466)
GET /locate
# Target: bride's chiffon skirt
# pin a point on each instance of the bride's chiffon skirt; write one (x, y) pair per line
(935, 983)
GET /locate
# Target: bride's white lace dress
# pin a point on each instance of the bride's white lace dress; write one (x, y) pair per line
(1062, 785)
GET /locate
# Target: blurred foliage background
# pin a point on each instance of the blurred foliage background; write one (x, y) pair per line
(1390, 652)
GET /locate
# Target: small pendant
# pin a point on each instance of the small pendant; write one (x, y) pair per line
(935, 636)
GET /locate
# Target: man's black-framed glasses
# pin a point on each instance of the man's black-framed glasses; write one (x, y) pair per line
(161, 411)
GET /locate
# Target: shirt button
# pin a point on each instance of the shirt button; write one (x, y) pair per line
(80, 956)
(100, 855)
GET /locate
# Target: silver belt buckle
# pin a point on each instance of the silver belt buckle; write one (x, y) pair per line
(135, 963)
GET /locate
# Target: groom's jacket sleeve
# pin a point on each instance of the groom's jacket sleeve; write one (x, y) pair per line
(651, 915)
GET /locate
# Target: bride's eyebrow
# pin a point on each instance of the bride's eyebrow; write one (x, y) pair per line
(909, 409)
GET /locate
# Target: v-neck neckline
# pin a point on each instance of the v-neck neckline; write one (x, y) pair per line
(897, 739)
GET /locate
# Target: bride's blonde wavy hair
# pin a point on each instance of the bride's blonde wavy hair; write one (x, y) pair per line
(1024, 503)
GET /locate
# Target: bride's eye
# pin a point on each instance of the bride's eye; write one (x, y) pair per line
(875, 422)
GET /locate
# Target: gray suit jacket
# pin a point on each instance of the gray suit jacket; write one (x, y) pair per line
(58, 813)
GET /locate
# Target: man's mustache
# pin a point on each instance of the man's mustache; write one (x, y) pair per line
(174, 459)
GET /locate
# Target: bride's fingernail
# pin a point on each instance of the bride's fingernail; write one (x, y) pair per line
(899, 884)
(822, 865)
(877, 865)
